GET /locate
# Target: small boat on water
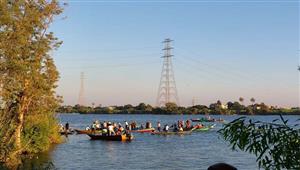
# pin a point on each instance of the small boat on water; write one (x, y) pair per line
(78, 131)
(148, 130)
(204, 128)
(126, 137)
(207, 120)
(185, 132)
(172, 133)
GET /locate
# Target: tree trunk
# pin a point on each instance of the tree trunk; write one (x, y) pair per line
(20, 122)
(19, 129)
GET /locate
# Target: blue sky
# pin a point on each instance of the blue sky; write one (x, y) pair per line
(222, 50)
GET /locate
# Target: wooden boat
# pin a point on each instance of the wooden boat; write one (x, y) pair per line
(172, 133)
(207, 120)
(111, 138)
(149, 130)
(78, 131)
(82, 131)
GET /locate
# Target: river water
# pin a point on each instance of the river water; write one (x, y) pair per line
(198, 150)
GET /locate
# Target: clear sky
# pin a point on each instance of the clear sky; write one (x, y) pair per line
(222, 50)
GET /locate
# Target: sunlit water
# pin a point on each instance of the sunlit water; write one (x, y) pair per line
(198, 150)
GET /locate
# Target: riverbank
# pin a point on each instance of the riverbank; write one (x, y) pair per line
(172, 109)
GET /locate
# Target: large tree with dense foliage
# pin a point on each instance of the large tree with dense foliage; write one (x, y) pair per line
(28, 77)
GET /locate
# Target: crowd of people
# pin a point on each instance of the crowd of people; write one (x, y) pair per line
(108, 128)
(116, 128)
(178, 126)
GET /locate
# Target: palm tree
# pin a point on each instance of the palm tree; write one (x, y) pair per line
(241, 100)
(252, 100)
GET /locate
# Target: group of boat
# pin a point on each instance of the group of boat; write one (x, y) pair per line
(125, 134)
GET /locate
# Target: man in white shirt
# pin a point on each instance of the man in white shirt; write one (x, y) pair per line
(126, 125)
(166, 128)
(111, 129)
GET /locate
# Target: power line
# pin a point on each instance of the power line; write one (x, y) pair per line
(219, 70)
(121, 65)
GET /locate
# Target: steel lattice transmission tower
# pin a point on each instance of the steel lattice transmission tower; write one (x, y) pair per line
(167, 91)
(81, 100)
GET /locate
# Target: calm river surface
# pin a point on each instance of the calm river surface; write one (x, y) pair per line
(196, 151)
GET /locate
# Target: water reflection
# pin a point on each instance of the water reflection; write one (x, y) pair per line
(41, 161)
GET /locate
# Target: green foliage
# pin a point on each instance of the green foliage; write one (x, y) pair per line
(40, 133)
(215, 108)
(276, 145)
(28, 77)
(171, 108)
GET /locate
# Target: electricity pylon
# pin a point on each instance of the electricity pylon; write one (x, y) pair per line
(167, 91)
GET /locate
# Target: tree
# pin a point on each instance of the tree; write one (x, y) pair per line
(252, 100)
(241, 99)
(28, 77)
(148, 108)
(216, 108)
(229, 105)
(237, 107)
(276, 145)
(171, 107)
(141, 107)
(128, 106)
(264, 108)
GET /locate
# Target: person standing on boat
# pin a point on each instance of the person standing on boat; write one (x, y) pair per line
(94, 126)
(158, 126)
(181, 123)
(110, 129)
(175, 128)
(188, 124)
(126, 125)
(67, 126)
(97, 125)
(166, 128)
(116, 128)
(120, 130)
(142, 126)
(104, 125)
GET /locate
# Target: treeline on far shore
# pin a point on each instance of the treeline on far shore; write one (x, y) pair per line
(230, 108)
